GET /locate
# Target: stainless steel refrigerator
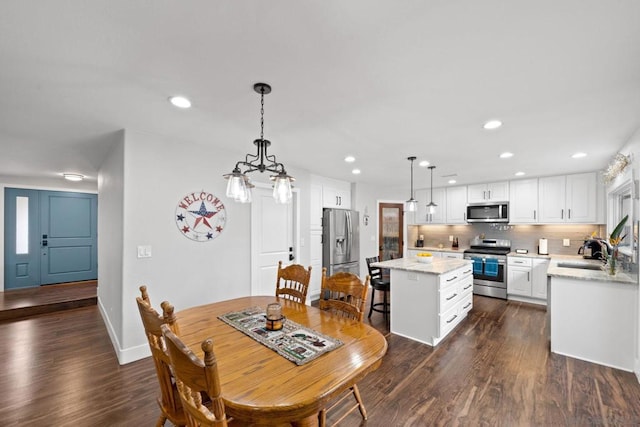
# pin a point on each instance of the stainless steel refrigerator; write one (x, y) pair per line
(340, 241)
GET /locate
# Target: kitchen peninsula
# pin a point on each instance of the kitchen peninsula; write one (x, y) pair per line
(429, 299)
(592, 313)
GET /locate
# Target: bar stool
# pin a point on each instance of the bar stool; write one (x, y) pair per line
(379, 283)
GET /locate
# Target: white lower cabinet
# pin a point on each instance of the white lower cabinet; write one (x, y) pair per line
(426, 307)
(539, 278)
(527, 279)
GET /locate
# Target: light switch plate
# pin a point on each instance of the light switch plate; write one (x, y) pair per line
(144, 251)
(566, 242)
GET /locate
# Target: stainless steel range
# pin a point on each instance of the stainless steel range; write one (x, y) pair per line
(489, 258)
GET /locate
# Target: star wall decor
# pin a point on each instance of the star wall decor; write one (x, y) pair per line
(200, 216)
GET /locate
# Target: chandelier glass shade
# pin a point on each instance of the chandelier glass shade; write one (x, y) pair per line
(411, 205)
(238, 184)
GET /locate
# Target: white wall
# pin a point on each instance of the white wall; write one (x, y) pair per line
(632, 147)
(156, 174)
(365, 199)
(110, 237)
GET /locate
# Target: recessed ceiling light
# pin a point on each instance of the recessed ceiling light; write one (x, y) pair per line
(519, 173)
(423, 163)
(506, 155)
(349, 159)
(356, 171)
(180, 101)
(492, 124)
(579, 155)
(452, 181)
(73, 176)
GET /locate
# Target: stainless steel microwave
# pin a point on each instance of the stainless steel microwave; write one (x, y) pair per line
(488, 212)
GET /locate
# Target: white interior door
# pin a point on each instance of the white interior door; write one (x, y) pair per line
(272, 239)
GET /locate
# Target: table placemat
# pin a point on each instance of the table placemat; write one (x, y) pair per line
(294, 342)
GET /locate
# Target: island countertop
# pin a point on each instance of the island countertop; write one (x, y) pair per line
(438, 266)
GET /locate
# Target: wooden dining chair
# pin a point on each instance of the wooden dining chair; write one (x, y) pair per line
(344, 294)
(293, 282)
(197, 381)
(168, 400)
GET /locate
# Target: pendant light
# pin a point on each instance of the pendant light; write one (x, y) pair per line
(239, 186)
(431, 207)
(411, 204)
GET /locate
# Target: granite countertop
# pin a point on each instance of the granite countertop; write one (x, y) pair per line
(438, 266)
(436, 249)
(529, 255)
(555, 270)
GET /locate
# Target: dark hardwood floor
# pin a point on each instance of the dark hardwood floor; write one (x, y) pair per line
(28, 302)
(494, 369)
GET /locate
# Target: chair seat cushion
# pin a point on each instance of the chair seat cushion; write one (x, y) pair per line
(380, 284)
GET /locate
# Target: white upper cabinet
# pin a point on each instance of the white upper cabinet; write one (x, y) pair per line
(568, 199)
(336, 194)
(523, 201)
(424, 197)
(456, 205)
(491, 192)
(582, 205)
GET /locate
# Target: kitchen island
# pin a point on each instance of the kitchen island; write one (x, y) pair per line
(429, 300)
(592, 314)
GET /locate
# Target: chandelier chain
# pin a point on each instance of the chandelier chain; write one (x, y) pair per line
(262, 113)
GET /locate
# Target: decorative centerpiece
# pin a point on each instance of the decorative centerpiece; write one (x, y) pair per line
(610, 248)
(275, 319)
(425, 257)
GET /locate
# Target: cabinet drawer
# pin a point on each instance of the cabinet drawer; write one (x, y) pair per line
(466, 304)
(452, 276)
(466, 285)
(449, 320)
(518, 261)
(449, 297)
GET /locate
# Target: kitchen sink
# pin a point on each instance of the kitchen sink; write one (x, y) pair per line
(581, 266)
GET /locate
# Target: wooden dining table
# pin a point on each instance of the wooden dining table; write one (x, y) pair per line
(261, 387)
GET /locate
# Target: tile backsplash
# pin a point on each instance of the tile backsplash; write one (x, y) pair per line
(521, 236)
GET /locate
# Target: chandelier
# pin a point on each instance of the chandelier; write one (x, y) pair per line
(239, 186)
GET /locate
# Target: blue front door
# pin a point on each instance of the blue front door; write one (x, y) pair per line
(61, 235)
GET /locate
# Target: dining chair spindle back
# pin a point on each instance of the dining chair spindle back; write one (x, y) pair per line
(197, 381)
(344, 294)
(293, 282)
(168, 400)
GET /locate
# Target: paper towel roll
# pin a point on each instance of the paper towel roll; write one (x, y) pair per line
(542, 247)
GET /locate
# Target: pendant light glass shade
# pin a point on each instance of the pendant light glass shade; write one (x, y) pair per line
(238, 185)
(282, 188)
(411, 205)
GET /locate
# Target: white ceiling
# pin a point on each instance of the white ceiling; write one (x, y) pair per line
(379, 80)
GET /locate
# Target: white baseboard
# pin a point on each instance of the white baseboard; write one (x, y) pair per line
(126, 355)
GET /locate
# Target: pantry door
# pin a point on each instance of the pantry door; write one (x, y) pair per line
(390, 232)
(50, 237)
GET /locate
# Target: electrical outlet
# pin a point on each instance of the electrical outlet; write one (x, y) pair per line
(451, 238)
(566, 242)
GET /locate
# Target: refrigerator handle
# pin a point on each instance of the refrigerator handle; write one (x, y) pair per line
(349, 234)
